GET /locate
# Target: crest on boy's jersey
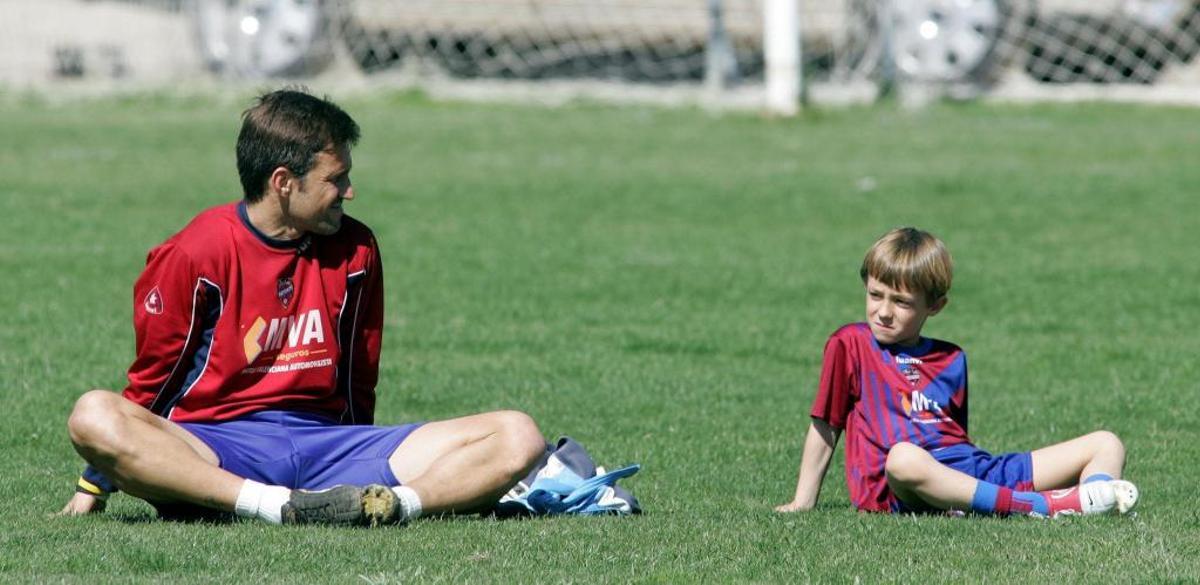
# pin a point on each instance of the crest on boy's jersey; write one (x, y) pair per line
(284, 290)
(908, 368)
(931, 402)
(153, 302)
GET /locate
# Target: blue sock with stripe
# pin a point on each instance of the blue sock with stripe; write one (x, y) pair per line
(990, 498)
(985, 497)
(1097, 477)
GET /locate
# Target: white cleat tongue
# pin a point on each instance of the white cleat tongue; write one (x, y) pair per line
(1126, 494)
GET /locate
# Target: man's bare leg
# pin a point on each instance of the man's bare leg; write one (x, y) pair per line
(465, 464)
(157, 460)
(1071, 462)
(452, 466)
(148, 456)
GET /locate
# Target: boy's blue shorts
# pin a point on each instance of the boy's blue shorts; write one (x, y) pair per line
(1010, 470)
(301, 450)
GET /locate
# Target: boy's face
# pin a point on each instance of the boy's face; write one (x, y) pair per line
(897, 315)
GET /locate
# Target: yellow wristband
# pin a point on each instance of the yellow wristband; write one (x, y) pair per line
(90, 488)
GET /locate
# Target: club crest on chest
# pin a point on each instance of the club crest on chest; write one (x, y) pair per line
(284, 289)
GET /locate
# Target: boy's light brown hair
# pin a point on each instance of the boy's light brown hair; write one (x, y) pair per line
(910, 259)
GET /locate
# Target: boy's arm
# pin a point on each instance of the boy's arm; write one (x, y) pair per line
(818, 452)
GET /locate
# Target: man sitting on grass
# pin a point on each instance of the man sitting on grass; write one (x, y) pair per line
(902, 401)
(258, 331)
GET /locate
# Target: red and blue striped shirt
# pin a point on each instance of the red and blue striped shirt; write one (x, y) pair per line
(881, 395)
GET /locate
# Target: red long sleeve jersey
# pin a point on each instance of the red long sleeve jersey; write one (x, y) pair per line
(882, 395)
(229, 322)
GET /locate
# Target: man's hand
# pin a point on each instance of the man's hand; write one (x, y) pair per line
(793, 506)
(81, 504)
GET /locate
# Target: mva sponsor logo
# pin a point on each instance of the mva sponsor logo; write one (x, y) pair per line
(297, 330)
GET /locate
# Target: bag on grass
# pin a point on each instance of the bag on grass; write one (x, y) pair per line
(567, 481)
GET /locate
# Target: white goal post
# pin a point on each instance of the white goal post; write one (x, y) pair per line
(781, 51)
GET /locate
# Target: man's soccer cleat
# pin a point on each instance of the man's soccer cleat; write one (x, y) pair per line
(381, 506)
(343, 505)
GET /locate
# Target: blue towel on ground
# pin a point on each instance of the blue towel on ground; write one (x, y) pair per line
(567, 481)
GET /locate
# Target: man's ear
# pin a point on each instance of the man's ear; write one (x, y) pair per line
(938, 305)
(281, 181)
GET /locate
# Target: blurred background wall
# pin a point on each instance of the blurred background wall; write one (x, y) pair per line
(711, 50)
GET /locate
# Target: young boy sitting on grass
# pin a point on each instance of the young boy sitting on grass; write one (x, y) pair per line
(902, 401)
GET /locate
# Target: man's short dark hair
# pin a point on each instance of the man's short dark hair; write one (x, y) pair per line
(287, 128)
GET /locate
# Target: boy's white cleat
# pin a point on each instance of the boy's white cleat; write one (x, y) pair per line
(1101, 497)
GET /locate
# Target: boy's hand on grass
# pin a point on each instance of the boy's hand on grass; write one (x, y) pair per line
(792, 506)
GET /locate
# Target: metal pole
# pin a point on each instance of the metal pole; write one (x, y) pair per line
(888, 79)
(720, 64)
(781, 51)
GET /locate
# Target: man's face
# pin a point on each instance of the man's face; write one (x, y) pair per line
(316, 204)
(896, 315)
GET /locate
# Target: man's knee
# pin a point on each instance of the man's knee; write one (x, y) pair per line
(906, 463)
(95, 422)
(523, 441)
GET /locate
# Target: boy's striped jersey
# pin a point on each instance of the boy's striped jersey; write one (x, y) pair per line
(883, 395)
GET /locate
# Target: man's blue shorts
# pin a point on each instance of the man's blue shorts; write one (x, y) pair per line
(301, 450)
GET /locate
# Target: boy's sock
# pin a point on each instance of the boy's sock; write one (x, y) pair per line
(410, 503)
(1097, 477)
(1092, 497)
(257, 500)
(994, 499)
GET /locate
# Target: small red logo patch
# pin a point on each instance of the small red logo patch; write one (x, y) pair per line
(153, 302)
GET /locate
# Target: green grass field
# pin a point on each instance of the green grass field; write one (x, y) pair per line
(657, 284)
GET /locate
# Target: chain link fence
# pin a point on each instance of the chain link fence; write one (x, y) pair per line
(634, 41)
(1127, 42)
(967, 47)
